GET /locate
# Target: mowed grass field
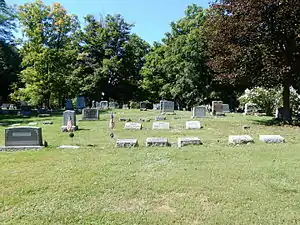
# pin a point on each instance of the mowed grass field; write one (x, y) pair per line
(213, 183)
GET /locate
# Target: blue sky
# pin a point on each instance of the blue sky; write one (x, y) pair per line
(151, 17)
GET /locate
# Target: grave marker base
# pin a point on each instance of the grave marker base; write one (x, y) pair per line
(19, 148)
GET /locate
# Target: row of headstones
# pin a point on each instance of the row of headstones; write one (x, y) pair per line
(184, 141)
(161, 125)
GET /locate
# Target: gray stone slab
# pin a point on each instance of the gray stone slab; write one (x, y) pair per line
(23, 136)
(271, 138)
(199, 112)
(133, 126)
(240, 139)
(90, 114)
(192, 125)
(126, 143)
(160, 126)
(67, 115)
(19, 148)
(183, 141)
(166, 106)
(159, 118)
(69, 146)
(156, 141)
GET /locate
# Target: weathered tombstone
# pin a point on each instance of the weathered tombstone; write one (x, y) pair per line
(271, 138)
(98, 105)
(113, 105)
(133, 126)
(69, 115)
(143, 106)
(192, 125)
(156, 106)
(226, 108)
(158, 118)
(188, 141)
(123, 143)
(90, 114)
(104, 105)
(217, 107)
(166, 106)
(240, 139)
(160, 126)
(125, 106)
(23, 138)
(199, 112)
(68, 104)
(80, 102)
(156, 141)
(250, 109)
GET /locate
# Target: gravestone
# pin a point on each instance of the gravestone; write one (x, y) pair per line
(217, 107)
(17, 138)
(160, 126)
(188, 141)
(25, 111)
(156, 106)
(80, 102)
(156, 141)
(166, 106)
(133, 126)
(192, 125)
(240, 139)
(103, 105)
(143, 106)
(159, 118)
(90, 114)
(67, 115)
(113, 105)
(199, 112)
(98, 105)
(250, 109)
(125, 106)
(226, 108)
(271, 138)
(282, 112)
(68, 104)
(123, 143)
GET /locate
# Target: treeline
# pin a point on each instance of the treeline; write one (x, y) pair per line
(209, 54)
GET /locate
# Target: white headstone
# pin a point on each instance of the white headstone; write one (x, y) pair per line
(188, 141)
(240, 139)
(250, 109)
(156, 141)
(271, 138)
(192, 125)
(123, 143)
(133, 126)
(160, 126)
(199, 112)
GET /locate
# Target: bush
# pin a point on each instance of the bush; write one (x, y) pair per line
(134, 105)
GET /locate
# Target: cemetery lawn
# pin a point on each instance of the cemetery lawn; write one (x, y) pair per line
(98, 184)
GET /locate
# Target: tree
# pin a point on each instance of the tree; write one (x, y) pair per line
(177, 68)
(256, 43)
(47, 53)
(7, 22)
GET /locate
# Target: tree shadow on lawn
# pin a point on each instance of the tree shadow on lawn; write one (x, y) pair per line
(276, 122)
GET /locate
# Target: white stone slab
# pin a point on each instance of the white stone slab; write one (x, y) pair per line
(192, 125)
(183, 141)
(68, 146)
(156, 141)
(32, 123)
(160, 126)
(133, 126)
(123, 143)
(240, 139)
(271, 138)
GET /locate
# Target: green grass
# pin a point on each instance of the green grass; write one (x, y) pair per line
(209, 184)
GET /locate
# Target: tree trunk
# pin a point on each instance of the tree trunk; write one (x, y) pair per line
(287, 112)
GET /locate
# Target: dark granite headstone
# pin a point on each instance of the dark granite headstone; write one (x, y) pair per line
(23, 136)
(90, 114)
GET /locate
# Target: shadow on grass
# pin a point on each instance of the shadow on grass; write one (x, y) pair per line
(79, 129)
(276, 122)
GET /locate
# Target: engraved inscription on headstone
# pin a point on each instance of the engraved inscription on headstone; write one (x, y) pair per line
(160, 126)
(192, 125)
(133, 126)
(23, 136)
(90, 114)
(156, 141)
(188, 141)
(123, 143)
(199, 112)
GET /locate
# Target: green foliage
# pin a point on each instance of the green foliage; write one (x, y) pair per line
(47, 52)
(177, 68)
(7, 22)
(134, 105)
